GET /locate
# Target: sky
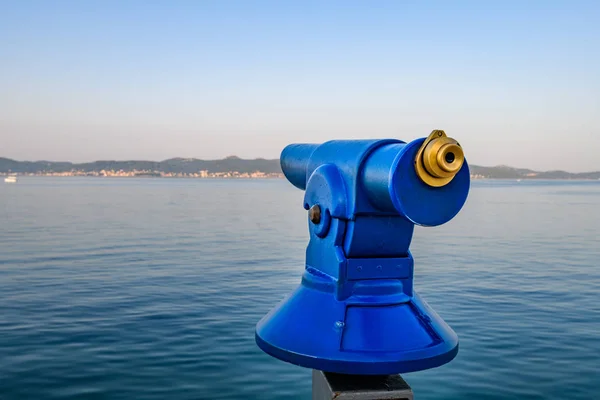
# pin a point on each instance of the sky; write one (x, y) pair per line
(515, 82)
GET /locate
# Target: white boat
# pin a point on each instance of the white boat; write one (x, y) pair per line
(10, 179)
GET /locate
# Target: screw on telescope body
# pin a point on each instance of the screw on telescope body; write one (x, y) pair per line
(315, 214)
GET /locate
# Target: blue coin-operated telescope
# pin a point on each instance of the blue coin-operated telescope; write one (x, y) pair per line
(356, 311)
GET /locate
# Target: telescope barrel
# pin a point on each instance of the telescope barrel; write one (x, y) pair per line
(392, 183)
(294, 162)
(426, 181)
(377, 175)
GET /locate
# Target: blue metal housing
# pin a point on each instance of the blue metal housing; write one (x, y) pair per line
(355, 311)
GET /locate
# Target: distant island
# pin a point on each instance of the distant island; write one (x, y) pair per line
(230, 167)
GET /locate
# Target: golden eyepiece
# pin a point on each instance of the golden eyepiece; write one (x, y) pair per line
(439, 159)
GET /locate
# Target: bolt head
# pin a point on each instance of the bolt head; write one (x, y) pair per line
(315, 214)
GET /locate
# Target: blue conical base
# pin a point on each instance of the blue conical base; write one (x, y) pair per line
(312, 329)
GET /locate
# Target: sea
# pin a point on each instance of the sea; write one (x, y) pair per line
(150, 288)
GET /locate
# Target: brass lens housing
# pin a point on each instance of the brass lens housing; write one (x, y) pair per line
(439, 159)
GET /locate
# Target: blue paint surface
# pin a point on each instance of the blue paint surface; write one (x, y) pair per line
(151, 288)
(373, 323)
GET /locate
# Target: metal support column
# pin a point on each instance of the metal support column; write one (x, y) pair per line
(328, 386)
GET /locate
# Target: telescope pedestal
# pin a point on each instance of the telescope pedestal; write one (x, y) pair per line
(328, 386)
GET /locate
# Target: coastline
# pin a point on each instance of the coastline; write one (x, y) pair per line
(123, 174)
(237, 175)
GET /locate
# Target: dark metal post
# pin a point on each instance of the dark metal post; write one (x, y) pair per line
(328, 386)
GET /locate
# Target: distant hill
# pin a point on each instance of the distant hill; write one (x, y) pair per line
(504, 172)
(193, 165)
(175, 165)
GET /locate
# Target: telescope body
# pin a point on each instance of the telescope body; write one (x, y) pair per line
(356, 311)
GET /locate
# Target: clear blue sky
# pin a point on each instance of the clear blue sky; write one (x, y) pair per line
(516, 82)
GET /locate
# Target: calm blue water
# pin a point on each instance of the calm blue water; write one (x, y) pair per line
(150, 289)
